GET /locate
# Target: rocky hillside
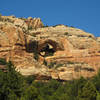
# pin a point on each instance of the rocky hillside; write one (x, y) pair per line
(58, 52)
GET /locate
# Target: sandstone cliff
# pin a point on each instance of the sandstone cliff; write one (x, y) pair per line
(58, 52)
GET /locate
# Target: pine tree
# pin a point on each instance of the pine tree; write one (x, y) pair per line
(11, 83)
(88, 92)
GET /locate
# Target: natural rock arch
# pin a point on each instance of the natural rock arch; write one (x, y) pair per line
(44, 47)
(48, 47)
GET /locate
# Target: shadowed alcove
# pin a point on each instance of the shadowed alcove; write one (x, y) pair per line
(43, 47)
(48, 47)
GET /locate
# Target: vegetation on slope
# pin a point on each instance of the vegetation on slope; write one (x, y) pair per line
(14, 86)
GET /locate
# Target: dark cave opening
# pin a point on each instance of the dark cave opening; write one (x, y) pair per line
(47, 50)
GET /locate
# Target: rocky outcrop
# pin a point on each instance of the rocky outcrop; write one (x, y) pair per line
(11, 35)
(58, 52)
(34, 23)
(26, 24)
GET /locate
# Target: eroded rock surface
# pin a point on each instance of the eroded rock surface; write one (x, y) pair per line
(58, 52)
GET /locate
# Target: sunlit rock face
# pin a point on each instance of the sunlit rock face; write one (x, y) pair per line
(59, 52)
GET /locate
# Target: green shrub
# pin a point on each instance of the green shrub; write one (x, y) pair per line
(35, 51)
(29, 79)
(70, 62)
(49, 54)
(29, 27)
(59, 65)
(66, 33)
(11, 83)
(88, 92)
(46, 26)
(36, 56)
(30, 93)
(3, 61)
(52, 64)
(45, 63)
(14, 86)
(34, 35)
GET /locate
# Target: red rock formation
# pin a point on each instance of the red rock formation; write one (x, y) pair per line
(75, 53)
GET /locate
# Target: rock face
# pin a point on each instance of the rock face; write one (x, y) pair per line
(34, 23)
(58, 52)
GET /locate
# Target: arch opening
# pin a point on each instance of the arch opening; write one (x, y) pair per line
(47, 50)
(43, 48)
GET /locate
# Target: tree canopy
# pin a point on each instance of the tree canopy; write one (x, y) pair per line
(14, 86)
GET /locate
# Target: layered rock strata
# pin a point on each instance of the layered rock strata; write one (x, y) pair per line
(58, 52)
